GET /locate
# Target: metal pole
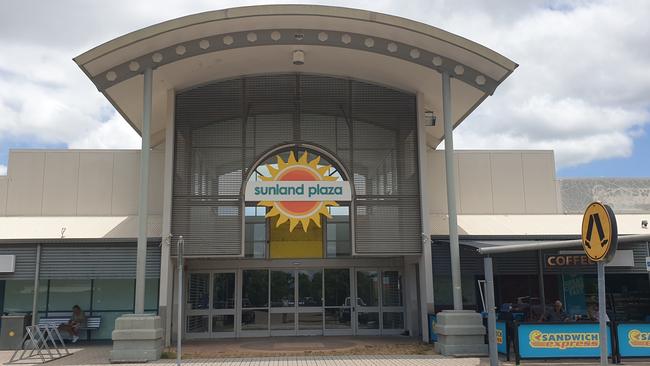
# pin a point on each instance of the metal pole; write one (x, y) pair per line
(544, 245)
(143, 194)
(492, 318)
(179, 326)
(451, 193)
(602, 317)
(37, 274)
(542, 295)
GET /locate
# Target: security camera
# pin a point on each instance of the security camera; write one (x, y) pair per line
(644, 224)
(298, 57)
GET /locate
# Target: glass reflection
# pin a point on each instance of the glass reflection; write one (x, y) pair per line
(368, 288)
(198, 293)
(223, 323)
(310, 288)
(223, 289)
(282, 289)
(256, 319)
(255, 288)
(368, 320)
(282, 321)
(337, 287)
(391, 289)
(337, 318)
(307, 321)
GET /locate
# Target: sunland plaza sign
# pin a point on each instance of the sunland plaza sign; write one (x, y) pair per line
(298, 191)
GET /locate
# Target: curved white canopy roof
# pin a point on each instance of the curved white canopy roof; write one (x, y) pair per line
(374, 47)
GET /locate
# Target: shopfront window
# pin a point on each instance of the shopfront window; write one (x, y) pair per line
(338, 232)
(19, 295)
(255, 232)
(109, 294)
(64, 294)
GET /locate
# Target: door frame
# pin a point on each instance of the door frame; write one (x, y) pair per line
(351, 264)
(209, 312)
(380, 309)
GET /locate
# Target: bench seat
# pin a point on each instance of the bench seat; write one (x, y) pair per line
(92, 322)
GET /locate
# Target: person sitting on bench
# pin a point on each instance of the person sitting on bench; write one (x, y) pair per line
(77, 321)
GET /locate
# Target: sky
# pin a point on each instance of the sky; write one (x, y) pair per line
(582, 87)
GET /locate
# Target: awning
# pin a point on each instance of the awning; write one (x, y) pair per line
(529, 225)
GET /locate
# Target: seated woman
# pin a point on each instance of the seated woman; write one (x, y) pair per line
(77, 321)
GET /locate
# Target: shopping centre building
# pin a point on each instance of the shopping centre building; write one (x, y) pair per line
(296, 151)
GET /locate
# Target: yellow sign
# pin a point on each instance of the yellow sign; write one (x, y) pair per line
(539, 339)
(599, 232)
(294, 245)
(637, 338)
(499, 336)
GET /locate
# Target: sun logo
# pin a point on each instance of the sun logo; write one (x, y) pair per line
(298, 212)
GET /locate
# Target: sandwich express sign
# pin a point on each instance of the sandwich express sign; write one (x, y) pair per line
(298, 191)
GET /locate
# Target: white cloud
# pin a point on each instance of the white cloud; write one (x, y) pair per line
(113, 134)
(581, 89)
(3, 169)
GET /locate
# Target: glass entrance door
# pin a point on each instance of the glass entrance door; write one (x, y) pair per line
(283, 304)
(210, 305)
(310, 301)
(338, 303)
(367, 302)
(222, 317)
(379, 305)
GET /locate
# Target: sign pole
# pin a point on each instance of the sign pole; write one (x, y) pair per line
(492, 319)
(600, 241)
(602, 317)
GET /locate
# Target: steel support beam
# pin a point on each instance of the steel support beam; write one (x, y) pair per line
(143, 194)
(492, 318)
(450, 171)
(37, 274)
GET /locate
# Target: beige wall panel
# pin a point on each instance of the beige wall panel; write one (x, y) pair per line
(4, 183)
(126, 178)
(507, 183)
(156, 168)
(61, 179)
(438, 184)
(475, 182)
(25, 192)
(95, 183)
(539, 182)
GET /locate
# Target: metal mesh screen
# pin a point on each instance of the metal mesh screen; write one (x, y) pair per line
(222, 128)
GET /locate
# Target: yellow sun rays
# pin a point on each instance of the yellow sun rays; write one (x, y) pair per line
(320, 208)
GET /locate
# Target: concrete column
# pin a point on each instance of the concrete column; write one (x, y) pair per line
(143, 194)
(451, 193)
(166, 265)
(426, 267)
(460, 332)
(139, 337)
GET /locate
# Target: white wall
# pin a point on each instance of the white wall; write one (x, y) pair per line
(496, 182)
(105, 183)
(78, 183)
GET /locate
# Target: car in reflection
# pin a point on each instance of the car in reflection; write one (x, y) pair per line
(345, 313)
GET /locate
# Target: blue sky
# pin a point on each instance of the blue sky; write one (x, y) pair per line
(637, 165)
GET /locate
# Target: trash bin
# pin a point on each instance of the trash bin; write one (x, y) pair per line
(12, 331)
(433, 337)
